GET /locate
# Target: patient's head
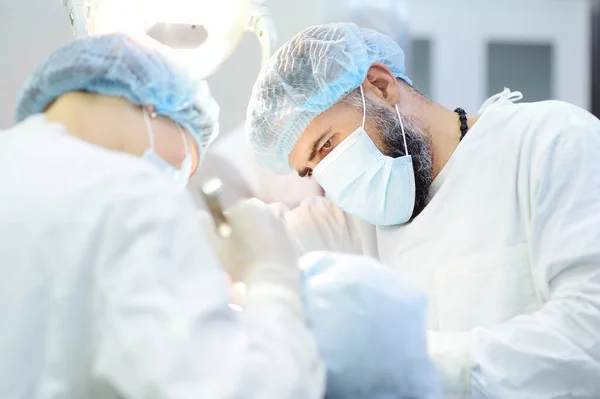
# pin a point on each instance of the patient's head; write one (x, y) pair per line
(370, 326)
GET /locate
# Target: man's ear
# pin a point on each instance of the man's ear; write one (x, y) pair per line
(383, 82)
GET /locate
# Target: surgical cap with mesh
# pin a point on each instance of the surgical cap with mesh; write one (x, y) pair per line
(119, 65)
(306, 76)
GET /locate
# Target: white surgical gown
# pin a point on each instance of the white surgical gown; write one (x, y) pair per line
(109, 289)
(508, 250)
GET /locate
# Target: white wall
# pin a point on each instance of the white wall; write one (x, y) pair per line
(29, 31)
(461, 30)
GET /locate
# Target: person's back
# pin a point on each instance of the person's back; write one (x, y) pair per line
(50, 253)
(110, 285)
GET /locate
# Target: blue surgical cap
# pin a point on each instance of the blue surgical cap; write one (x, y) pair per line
(309, 74)
(118, 65)
(370, 327)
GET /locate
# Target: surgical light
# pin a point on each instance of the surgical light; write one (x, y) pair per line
(201, 34)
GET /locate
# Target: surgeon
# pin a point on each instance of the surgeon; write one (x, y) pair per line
(110, 288)
(496, 215)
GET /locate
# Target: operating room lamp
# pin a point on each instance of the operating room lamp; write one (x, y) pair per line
(201, 34)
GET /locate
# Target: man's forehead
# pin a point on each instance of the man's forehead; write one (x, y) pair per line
(311, 134)
(328, 116)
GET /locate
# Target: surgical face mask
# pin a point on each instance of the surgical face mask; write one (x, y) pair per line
(362, 181)
(179, 176)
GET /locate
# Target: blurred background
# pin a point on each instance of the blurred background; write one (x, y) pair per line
(462, 51)
(459, 52)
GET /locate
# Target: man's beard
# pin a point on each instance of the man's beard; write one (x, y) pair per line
(388, 126)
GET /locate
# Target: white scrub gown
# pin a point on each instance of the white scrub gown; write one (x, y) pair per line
(508, 250)
(110, 290)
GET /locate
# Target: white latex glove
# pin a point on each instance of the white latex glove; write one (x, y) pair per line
(259, 249)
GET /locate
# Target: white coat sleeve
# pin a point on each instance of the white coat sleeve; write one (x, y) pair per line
(318, 225)
(164, 327)
(555, 352)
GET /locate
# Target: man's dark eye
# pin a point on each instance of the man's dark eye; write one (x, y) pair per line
(327, 144)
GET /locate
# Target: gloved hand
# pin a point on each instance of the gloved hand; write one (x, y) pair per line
(259, 249)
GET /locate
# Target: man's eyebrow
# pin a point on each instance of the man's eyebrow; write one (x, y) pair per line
(315, 147)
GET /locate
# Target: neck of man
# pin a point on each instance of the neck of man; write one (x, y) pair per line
(444, 132)
(97, 119)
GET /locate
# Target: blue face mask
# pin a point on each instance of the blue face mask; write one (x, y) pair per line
(179, 176)
(363, 182)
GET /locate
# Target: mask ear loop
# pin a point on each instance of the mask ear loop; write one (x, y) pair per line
(184, 139)
(187, 161)
(402, 127)
(149, 129)
(362, 94)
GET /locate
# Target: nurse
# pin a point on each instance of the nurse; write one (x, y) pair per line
(495, 215)
(109, 286)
